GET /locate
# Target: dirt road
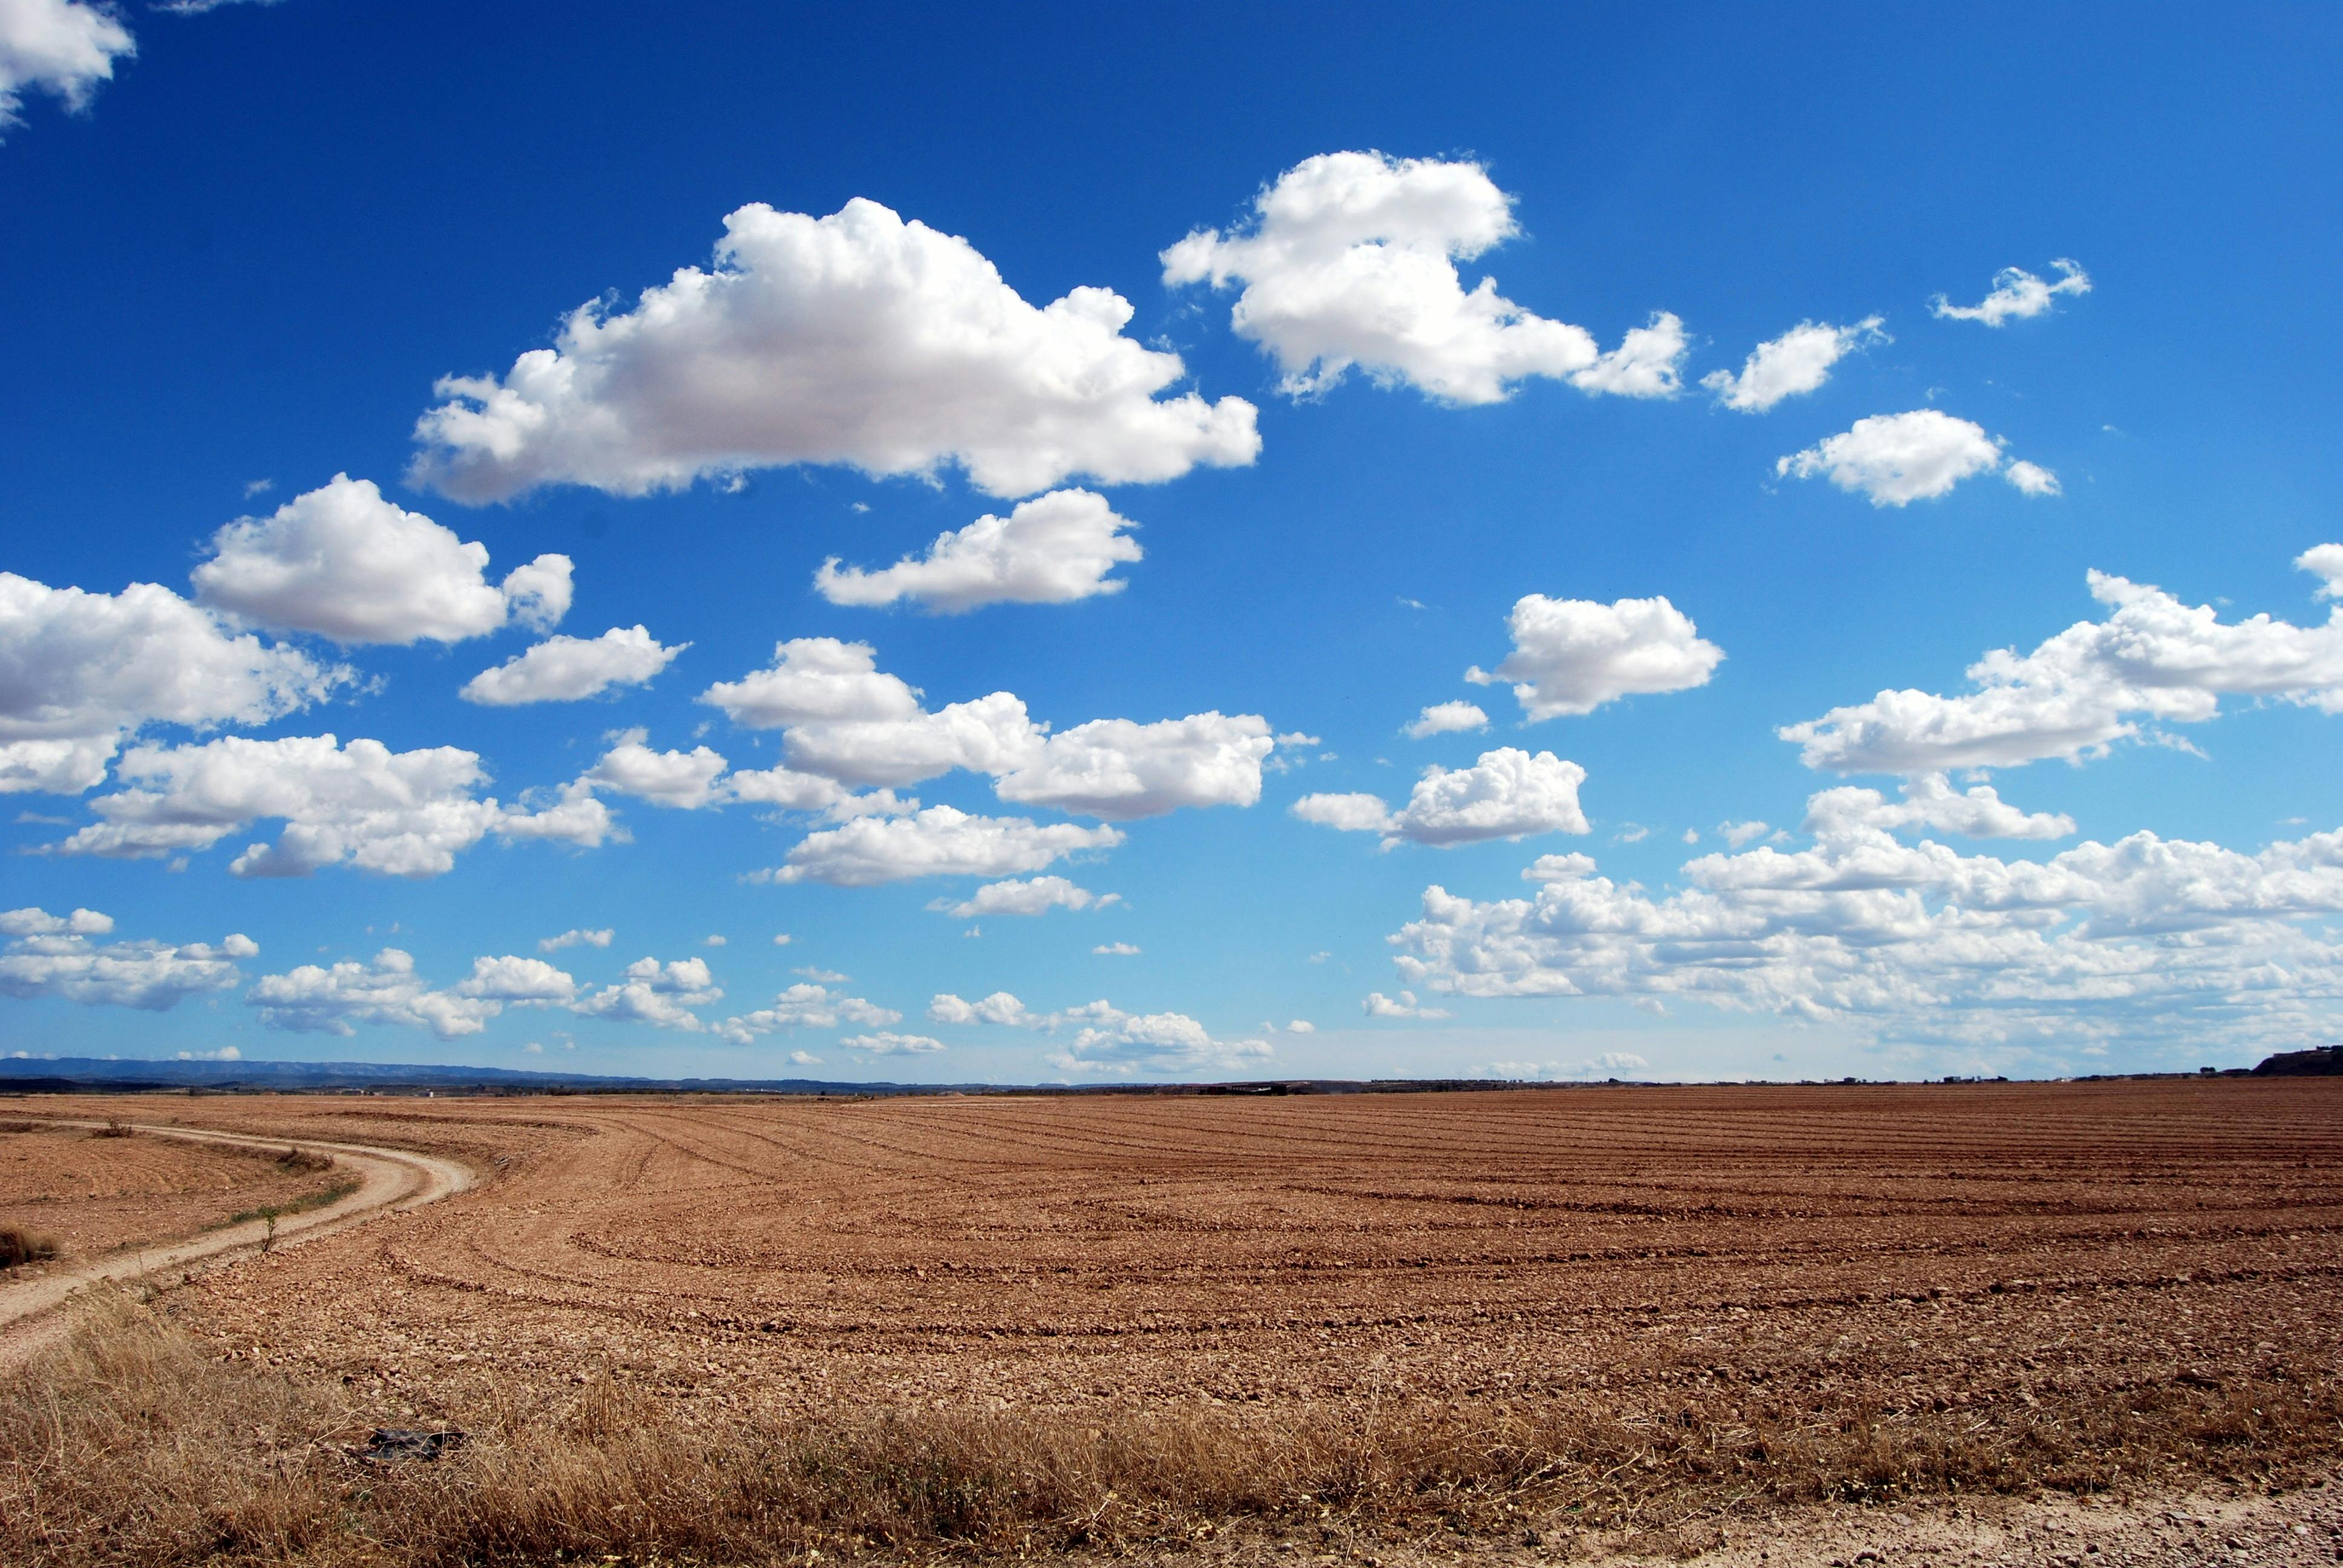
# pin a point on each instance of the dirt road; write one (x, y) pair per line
(388, 1180)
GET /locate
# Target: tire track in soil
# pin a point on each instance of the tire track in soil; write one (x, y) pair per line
(390, 1180)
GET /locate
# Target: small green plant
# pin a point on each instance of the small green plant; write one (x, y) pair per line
(272, 1212)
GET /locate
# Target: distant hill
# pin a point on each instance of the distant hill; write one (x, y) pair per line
(2319, 1061)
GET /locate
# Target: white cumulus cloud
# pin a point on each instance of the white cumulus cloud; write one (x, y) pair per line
(939, 841)
(517, 980)
(999, 1008)
(404, 813)
(47, 955)
(1930, 802)
(1350, 260)
(63, 47)
(571, 668)
(2144, 939)
(2033, 478)
(1446, 718)
(1792, 364)
(1052, 549)
(887, 1042)
(2017, 292)
(1113, 1040)
(1898, 458)
(81, 673)
(1033, 896)
(805, 1005)
(1609, 1064)
(662, 995)
(1571, 655)
(576, 936)
(1119, 770)
(856, 339)
(2153, 659)
(845, 720)
(345, 563)
(685, 779)
(318, 998)
(1404, 1005)
(1507, 794)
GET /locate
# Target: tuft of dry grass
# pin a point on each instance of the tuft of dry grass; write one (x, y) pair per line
(116, 1130)
(130, 1445)
(18, 1246)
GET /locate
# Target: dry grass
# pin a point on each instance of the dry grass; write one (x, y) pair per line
(116, 1130)
(18, 1246)
(131, 1445)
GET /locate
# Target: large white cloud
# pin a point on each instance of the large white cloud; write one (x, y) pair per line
(347, 563)
(1445, 718)
(855, 338)
(50, 955)
(2153, 659)
(1108, 1039)
(59, 47)
(1113, 1040)
(404, 813)
(318, 998)
(1000, 1007)
(1898, 458)
(79, 672)
(940, 841)
(571, 668)
(1571, 655)
(1119, 769)
(1052, 549)
(511, 978)
(2326, 563)
(1792, 364)
(805, 1005)
(2146, 939)
(1033, 896)
(1930, 802)
(992, 734)
(846, 720)
(1507, 794)
(689, 780)
(685, 779)
(1350, 260)
(887, 1042)
(389, 990)
(659, 995)
(815, 680)
(2017, 292)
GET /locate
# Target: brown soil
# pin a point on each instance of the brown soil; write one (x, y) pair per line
(96, 1195)
(1706, 1305)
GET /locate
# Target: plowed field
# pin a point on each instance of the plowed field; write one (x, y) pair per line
(1924, 1245)
(1116, 1320)
(96, 1194)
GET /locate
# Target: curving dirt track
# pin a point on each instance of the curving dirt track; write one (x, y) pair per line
(387, 1179)
(1924, 1247)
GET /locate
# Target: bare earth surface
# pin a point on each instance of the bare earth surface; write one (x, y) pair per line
(96, 1194)
(1923, 1252)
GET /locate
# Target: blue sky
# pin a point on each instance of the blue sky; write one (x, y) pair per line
(249, 242)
